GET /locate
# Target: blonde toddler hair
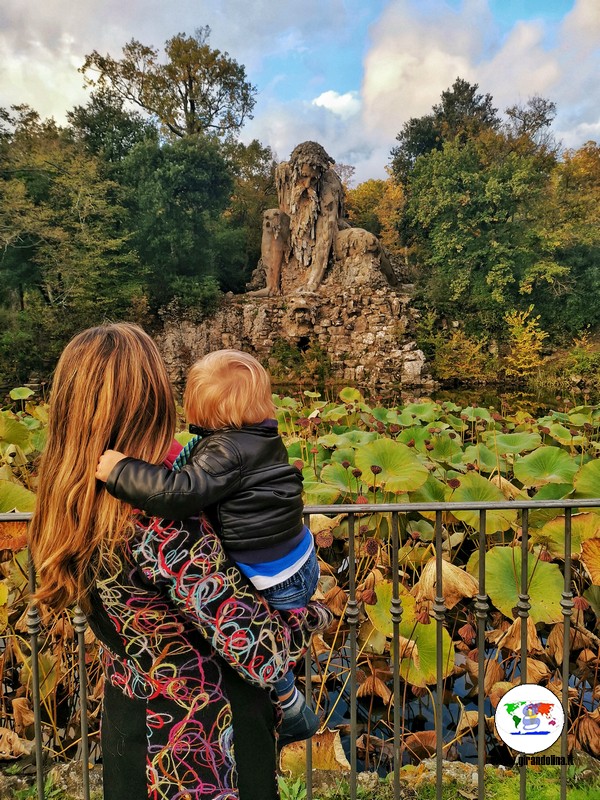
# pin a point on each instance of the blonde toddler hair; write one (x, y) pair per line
(227, 389)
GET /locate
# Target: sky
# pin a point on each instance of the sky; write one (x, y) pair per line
(345, 73)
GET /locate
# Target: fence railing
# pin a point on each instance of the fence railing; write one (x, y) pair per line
(482, 610)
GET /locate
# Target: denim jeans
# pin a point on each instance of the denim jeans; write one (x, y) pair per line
(295, 592)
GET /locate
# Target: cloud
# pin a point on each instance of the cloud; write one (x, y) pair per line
(342, 105)
(415, 49)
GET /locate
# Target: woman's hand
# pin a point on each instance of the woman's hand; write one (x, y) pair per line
(108, 460)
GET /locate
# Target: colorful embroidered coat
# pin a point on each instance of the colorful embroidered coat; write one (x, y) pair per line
(189, 654)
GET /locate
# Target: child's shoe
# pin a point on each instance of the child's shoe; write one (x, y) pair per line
(299, 722)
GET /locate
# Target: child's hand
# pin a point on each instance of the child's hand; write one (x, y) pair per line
(108, 460)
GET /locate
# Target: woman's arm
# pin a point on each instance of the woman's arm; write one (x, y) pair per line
(188, 561)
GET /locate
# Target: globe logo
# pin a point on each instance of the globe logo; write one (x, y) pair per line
(529, 718)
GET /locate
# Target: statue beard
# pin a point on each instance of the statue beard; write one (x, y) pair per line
(305, 213)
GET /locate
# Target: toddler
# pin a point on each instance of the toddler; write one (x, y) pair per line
(236, 471)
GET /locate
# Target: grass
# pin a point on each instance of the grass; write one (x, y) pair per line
(543, 783)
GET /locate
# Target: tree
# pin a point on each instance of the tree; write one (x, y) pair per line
(196, 90)
(107, 128)
(531, 122)
(240, 231)
(525, 343)
(471, 211)
(67, 260)
(462, 113)
(569, 226)
(345, 172)
(177, 193)
(362, 205)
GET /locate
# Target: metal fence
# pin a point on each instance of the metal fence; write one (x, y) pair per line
(482, 609)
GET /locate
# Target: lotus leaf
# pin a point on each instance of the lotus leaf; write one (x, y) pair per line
(284, 402)
(455, 422)
(334, 414)
(564, 436)
(546, 465)
(320, 522)
(327, 754)
(400, 470)
(351, 395)
(14, 497)
(590, 555)
(559, 416)
(370, 640)
(13, 431)
(503, 584)
(380, 413)
(401, 418)
(336, 475)
(413, 555)
(21, 393)
(377, 524)
(421, 669)
(39, 437)
(592, 595)
(587, 481)
(350, 438)
(344, 454)
(503, 443)
(416, 434)
(296, 448)
(319, 494)
(475, 414)
(550, 491)
(307, 393)
(19, 572)
(432, 491)
(577, 417)
(445, 449)
(421, 528)
(426, 411)
(483, 457)
(552, 535)
(475, 489)
(31, 423)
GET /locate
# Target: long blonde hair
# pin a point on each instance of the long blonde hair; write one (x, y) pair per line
(110, 390)
(227, 388)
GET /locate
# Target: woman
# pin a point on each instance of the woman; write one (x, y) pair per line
(189, 650)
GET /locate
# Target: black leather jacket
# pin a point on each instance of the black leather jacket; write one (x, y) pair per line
(240, 478)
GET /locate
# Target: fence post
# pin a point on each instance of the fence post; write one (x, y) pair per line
(33, 629)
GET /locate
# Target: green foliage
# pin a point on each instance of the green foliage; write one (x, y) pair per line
(107, 128)
(307, 362)
(525, 343)
(466, 209)
(461, 114)
(462, 358)
(176, 194)
(201, 295)
(291, 790)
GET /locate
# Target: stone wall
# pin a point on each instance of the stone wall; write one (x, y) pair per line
(367, 333)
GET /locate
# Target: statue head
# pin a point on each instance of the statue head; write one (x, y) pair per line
(309, 160)
(276, 223)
